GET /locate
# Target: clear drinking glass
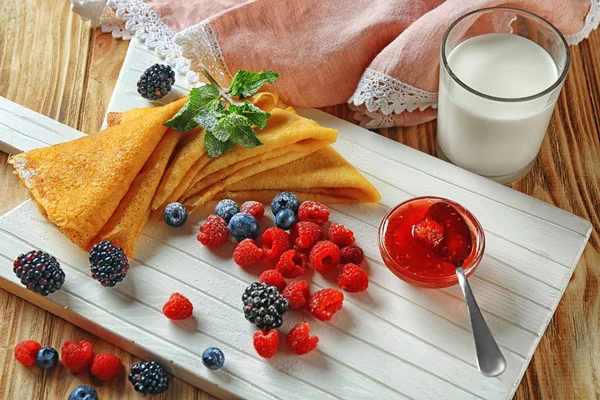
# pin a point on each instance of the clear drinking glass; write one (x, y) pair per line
(495, 126)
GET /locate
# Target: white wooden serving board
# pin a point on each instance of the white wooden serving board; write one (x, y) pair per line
(393, 341)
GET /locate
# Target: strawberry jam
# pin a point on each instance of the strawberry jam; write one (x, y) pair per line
(423, 239)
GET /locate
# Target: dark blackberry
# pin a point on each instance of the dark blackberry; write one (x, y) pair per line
(109, 263)
(39, 272)
(149, 377)
(156, 82)
(264, 306)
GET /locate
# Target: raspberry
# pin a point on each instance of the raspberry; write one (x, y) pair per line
(214, 232)
(306, 234)
(341, 235)
(324, 303)
(353, 279)
(300, 341)
(178, 307)
(26, 352)
(273, 278)
(351, 254)
(247, 253)
(275, 241)
(297, 294)
(291, 264)
(77, 357)
(313, 211)
(429, 232)
(106, 367)
(254, 208)
(266, 343)
(324, 256)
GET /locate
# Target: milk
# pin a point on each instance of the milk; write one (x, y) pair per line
(488, 137)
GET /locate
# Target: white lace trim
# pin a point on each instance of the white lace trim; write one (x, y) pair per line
(592, 20)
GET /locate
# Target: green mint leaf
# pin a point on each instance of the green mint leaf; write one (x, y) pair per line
(208, 116)
(238, 128)
(184, 120)
(215, 148)
(255, 115)
(247, 83)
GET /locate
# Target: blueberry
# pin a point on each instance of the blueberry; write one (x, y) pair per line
(243, 226)
(285, 219)
(226, 209)
(83, 392)
(47, 357)
(213, 358)
(175, 214)
(285, 200)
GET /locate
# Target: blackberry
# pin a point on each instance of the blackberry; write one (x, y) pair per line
(149, 377)
(109, 263)
(264, 306)
(156, 82)
(39, 272)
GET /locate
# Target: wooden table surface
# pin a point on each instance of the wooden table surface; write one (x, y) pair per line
(53, 63)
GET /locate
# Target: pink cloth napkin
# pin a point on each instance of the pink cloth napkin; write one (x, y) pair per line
(380, 56)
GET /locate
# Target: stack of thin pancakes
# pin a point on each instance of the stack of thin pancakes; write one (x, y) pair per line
(105, 186)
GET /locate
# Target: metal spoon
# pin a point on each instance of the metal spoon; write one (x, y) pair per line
(490, 360)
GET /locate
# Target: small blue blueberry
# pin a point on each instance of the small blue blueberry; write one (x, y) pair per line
(47, 357)
(285, 200)
(83, 392)
(243, 226)
(213, 358)
(285, 219)
(175, 214)
(226, 209)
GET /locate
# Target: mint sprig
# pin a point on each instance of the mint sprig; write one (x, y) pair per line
(225, 127)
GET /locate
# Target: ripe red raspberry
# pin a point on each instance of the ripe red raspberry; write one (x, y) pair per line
(324, 303)
(292, 264)
(430, 233)
(275, 241)
(297, 294)
(106, 367)
(274, 278)
(247, 253)
(351, 254)
(353, 279)
(341, 235)
(300, 341)
(214, 232)
(313, 211)
(77, 357)
(266, 343)
(26, 352)
(306, 234)
(324, 256)
(254, 208)
(178, 307)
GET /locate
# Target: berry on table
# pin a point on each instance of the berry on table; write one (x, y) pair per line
(83, 392)
(273, 278)
(77, 357)
(313, 211)
(325, 256)
(266, 343)
(285, 219)
(149, 377)
(353, 279)
(264, 305)
(109, 263)
(300, 341)
(106, 367)
(254, 208)
(292, 264)
(39, 272)
(156, 82)
(324, 303)
(178, 307)
(213, 358)
(351, 254)
(47, 357)
(243, 226)
(26, 352)
(213, 232)
(306, 234)
(285, 200)
(341, 235)
(226, 209)
(275, 241)
(175, 214)
(247, 253)
(297, 294)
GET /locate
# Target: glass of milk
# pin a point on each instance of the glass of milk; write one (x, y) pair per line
(501, 72)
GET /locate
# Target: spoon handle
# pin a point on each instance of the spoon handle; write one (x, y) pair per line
(490, 360)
